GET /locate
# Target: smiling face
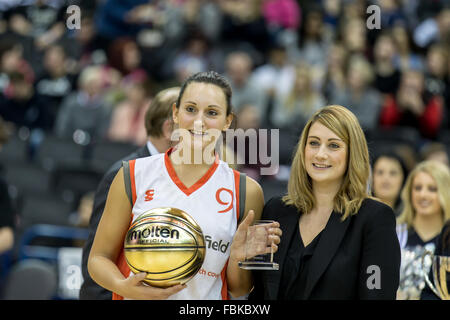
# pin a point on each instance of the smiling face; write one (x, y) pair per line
(387, 178)
(203, 113)
(325, 155)
(424, 195)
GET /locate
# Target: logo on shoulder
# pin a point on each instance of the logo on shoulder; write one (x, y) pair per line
(149, 194)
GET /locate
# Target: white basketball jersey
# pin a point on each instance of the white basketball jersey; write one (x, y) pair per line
(213, 201)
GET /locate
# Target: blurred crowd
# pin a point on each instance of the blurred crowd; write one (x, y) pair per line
(284, 59)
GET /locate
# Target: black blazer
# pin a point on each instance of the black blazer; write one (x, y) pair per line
(442, 249)
(340, 267)
(90, 290)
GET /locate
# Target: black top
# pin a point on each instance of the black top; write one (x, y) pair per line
(7, 217)
(358, 258)
(295, 272)
(415, 240)
(442, 249)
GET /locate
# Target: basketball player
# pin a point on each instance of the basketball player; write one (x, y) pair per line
(159, 127)
(207, 189)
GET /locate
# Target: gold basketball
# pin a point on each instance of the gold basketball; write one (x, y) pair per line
(167, 244)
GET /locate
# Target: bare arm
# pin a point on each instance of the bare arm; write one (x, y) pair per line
(108, 243)
(239, 281)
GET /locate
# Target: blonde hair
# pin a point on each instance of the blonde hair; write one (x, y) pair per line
(441, 175)
(359, 63)
(302, 70)
(89, 74)
(355, 184)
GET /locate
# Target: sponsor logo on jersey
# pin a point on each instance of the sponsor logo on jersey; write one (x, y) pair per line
(149, 194)
(224, 203)
(220, 245)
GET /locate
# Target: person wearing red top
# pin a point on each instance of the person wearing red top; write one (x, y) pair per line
(413, 106)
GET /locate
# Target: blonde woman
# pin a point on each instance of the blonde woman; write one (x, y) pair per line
(426, 203)
(426, 208)
(300, 103)
(338, 242)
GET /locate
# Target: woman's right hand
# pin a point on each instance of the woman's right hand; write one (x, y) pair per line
(134, 288)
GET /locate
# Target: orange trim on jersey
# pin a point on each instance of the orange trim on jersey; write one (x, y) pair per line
(177, 181)
(236, 187)
(123, 266)
(223, 276)
(132, 180)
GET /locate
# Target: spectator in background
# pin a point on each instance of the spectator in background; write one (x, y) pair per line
(433, 29)
(245, 144)
(124, 56)
(413, 106)
(242, 21)
(86, 109)
(56, 82)
(435, 151)
(391, 13)
(331, 12)
(193, 58)
(436, 69)
(405, 58)
(388, 176)
(427, 9)
(387, 76)
(239, 68)
(12, 60)
(123, 63)
(127, 121)
(83, 47)
(447, 94)
(21, 106)
(43, 21)
(277, 76)
(47, 22)
(80, 218)
(313, 46)
(7, 217)
(335, 78)
(292, 110)
(204, 15)
(353, 9)
(364, 101)
(281, 15)
(353, 32)
(248, 118)
(121, 18)
(426, 207)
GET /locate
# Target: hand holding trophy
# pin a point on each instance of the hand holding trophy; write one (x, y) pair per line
(441, 274)
(261, 240)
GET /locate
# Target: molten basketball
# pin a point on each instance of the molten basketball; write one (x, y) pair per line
(167, 244)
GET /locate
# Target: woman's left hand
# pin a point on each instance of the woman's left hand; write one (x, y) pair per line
(238, 251)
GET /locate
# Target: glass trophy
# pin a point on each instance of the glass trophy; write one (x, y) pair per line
(441, 274)
(258, 248)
